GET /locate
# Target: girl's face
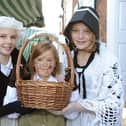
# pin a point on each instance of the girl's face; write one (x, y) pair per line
(45, 64)
(82, 37)
(7, 41)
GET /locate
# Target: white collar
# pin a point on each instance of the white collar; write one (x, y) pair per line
(6, 69)
(51, 78)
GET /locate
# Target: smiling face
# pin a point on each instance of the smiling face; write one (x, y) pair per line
(82, 37)
(44, 60)
(7, 41)
(45, 64)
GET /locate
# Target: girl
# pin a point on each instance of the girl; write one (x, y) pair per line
(44, 62)
(10, 32)
(44, 65)
(97, 74)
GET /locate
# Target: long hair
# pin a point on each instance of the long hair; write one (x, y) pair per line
(39, 49)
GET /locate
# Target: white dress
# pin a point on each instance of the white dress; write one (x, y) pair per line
(104, 90)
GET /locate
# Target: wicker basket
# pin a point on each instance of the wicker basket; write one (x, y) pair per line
(41, 94)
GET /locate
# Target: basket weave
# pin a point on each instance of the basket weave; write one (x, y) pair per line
(41, 94)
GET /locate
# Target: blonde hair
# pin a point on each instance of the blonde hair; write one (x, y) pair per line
(39, 49)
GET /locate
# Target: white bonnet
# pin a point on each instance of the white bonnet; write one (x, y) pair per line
(10, 22)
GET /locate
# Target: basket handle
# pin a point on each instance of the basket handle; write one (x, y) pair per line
(51, 37)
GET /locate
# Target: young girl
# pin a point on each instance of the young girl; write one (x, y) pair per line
(44, 65)
(10, 32)
(97, 73)
(44, 62)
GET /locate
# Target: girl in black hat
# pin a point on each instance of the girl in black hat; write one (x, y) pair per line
(97, 73)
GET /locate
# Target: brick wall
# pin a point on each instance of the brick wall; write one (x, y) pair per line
(101, 6)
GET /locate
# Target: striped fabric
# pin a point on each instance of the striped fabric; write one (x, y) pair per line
(27, 11)
(27, 50)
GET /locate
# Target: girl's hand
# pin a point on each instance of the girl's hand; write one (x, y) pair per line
(73, 107)
(56, 112)
(60, 78)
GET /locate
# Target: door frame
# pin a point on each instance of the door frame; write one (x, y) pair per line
(112, 26)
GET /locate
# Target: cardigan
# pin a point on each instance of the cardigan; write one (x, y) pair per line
(5, 80)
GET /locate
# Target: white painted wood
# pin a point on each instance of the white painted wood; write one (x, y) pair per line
(111, 34)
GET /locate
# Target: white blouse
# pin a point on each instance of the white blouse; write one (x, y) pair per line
(104, 92)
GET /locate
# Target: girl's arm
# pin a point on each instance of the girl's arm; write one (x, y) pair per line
(14, 107)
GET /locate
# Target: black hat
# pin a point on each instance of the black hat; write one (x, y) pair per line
(88, 16)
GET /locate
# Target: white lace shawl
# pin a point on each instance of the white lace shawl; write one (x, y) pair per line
(104, 91)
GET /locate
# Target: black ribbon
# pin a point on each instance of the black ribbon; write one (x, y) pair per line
(76, 65)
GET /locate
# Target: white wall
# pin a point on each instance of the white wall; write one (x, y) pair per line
(52, 11)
